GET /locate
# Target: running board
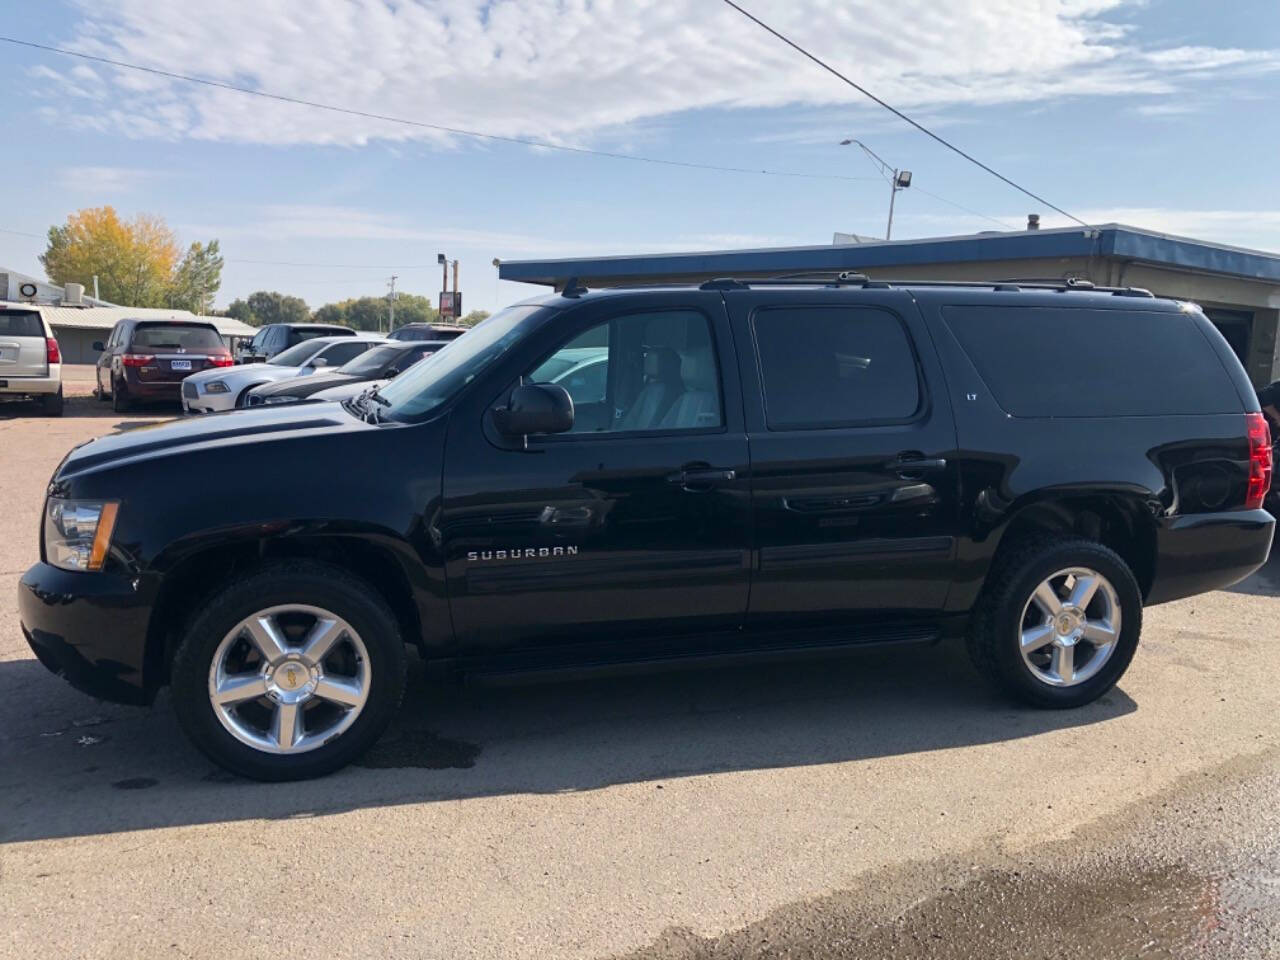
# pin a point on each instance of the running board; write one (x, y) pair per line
(509, 675)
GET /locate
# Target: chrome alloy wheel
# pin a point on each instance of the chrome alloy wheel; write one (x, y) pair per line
(289, 679)
(1070, 627)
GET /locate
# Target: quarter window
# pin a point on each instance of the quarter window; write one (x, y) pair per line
(835, 367)
(641, 372)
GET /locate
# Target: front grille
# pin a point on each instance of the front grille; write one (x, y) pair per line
(189, 390)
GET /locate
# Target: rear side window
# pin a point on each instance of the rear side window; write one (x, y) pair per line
(298, 334)
(175, 336)
(20, 323)
(835, 367)
(1061, 362)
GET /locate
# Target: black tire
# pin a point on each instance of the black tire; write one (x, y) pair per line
(51, 404)
(242, 398)
(995, 627)
(283, 582)
(119, 399)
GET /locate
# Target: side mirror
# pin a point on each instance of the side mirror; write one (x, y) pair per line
(535, 408)
(392, 373)
(319, 362)
(97, 345)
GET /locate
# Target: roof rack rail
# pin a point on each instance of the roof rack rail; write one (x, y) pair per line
(832, 278)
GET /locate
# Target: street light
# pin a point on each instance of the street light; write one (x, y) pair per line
(900, 180)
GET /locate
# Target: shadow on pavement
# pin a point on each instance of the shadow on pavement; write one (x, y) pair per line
(75, 767)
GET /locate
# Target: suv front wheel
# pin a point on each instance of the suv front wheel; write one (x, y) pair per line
(1058, 622)
(289, 672)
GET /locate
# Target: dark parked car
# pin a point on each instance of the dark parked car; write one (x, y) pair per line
(277, 337)
(149, 359)
(427, 331)
(773, 469)
(380, 363)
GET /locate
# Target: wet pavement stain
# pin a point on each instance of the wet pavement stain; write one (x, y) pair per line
(135, 783)
(419, 748)
(1162, 914)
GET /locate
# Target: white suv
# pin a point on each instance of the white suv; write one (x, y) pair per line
(30, 361)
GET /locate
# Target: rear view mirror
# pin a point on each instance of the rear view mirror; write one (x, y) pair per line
(535, 408)
(97, 345)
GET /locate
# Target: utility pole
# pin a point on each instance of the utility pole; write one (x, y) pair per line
(456, 318)
(391, 307)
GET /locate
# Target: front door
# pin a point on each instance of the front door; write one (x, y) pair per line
(855, 489)
(633, 526)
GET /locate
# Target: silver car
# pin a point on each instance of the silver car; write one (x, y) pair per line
(227, 388)
(30, 362)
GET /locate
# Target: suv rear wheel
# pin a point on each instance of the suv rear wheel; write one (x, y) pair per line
(1058, 622)
(289, 672)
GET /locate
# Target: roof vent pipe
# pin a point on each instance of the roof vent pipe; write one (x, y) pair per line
(1033, 221)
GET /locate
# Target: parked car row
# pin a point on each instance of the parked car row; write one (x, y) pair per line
(171, 359)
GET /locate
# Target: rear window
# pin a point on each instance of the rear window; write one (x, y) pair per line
(20, 323)
(307, 333)
(1061, 362)
(835, 367)
(175, 336)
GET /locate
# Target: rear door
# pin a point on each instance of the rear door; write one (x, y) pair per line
(23, 350)
(855, 489)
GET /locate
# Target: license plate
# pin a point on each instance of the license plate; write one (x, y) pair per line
(179, 364)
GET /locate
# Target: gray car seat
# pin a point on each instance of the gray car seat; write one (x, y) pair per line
(699, 405)
(662, 385)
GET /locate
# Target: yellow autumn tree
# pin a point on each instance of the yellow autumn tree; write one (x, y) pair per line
(134, 261)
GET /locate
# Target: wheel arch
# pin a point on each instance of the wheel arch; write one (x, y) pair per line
(1120, 520)
(191, 578)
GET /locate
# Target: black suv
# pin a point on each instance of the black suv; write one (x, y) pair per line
(765, 469)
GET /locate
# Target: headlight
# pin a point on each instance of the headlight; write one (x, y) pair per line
(284, 399)
(77, 533)
(215, 386)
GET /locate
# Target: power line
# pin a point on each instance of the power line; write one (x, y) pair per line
(958, 206)
(458, 131)
(898, 113)
(338, 266)
(19, 233)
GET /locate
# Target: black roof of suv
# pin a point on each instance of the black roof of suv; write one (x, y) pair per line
(595, 479)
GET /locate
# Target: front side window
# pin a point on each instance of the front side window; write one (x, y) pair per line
(641, 372)
(834, 367)
(296, 356)
(371, 361)
(341, 353)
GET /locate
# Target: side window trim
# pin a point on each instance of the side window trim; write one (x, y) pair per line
(923, 404)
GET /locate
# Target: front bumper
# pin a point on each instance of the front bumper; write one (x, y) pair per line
(90, 628)
(1208, 551)
(196, 401)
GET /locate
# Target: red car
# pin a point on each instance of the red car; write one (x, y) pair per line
(148, 359)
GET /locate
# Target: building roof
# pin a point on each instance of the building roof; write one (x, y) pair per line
(104, 318)
(1108, 240)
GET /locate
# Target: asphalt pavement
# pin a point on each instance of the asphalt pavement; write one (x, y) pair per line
(884, 804)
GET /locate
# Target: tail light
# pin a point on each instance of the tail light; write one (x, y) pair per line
(221, 361)
(137, 359)
(1261, 463)
(53, 354)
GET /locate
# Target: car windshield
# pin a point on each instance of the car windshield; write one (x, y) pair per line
(426, 385)
(297, 355)
(175, 336)
(371, 361)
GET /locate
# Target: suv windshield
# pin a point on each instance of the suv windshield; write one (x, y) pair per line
(426, 385)
(297, 355)
(176, 336)
(371, 360)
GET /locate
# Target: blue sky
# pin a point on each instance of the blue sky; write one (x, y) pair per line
(1160, 113)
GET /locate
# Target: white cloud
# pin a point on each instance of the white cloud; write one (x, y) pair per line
(570, 69)
(103, 180)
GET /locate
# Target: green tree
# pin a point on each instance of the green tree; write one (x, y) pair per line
(134, 261)
(371, 313)
(474, 317)
(197, 278)
(267, 306)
